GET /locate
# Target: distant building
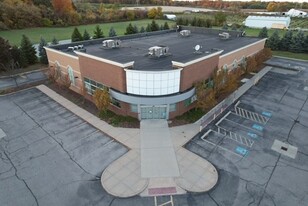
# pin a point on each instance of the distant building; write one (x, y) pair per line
(268, 22)
(295, 13)
(170, 16)
(151, 75)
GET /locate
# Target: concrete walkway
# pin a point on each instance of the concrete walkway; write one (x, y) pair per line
(157, 154)
(123, 177)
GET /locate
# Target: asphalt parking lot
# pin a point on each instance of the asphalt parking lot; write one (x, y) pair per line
(49, 156)
(241, 140)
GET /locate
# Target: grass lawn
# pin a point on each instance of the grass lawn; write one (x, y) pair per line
(303, 56)
(61, 33)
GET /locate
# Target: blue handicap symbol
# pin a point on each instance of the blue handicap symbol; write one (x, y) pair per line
(257, 127)
(268, 114)
(241, 151)
(252, 135)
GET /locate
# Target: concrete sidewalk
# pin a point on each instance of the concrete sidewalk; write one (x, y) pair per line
(123, 178)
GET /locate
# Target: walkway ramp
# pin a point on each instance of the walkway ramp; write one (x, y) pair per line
(158, 158)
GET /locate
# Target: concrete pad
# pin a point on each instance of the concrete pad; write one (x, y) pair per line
(157, 154)
(285, 149)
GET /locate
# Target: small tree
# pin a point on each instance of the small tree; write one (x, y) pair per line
(101, 99)
(42, 51)
(231, 83)
(136, 30)
(298, 42)
(130, 29)
(274, 41)
(27, 51)
(98, 33)
(86, 35)
(205, 97)
(5, 53)
(166, 26)
(142, 29)
(218, 77)
(220, 18)
(112, 32)
(154, 26)
(251, 65)
(286, 41)
(234, 27)
(64, 81)
(263, 33)
(148, 28)
(306, 44)
(54, 41)
(76, 35)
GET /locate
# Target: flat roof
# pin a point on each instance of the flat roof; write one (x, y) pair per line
(181, 49)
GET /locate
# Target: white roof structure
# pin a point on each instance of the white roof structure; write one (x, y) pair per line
(268, 22)
(295, 13)
(170, 16)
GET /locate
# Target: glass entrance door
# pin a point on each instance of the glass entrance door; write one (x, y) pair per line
(153, 112)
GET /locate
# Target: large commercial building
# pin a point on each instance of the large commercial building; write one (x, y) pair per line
(151, 75)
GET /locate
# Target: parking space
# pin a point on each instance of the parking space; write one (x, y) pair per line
(273, 115)
(49, 156)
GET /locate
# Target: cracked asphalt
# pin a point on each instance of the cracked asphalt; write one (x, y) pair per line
(50, 156)
(264, 177)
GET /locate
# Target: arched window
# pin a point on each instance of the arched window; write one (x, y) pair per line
(225, 67)
(235, 64)
(71, 75)
(58, 69)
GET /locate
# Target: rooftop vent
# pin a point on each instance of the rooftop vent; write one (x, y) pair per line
(224, 35)
(111, 44)
(185, 33)
(158, 51)
(76, 48)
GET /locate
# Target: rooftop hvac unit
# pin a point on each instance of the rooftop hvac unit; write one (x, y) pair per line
(185, 33)
(110, 43)
(75, 48)
(224, 35)
(158, 51)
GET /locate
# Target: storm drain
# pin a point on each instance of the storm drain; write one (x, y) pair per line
(284, 149)
(2, 134)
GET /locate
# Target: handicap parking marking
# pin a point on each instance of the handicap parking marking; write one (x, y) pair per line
(267, 114)
(241, 151)
(257, 127)
(252, 135)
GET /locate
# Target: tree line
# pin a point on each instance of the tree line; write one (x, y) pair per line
(19, 14)
(13, 57)
(130, 29)
(291, 41)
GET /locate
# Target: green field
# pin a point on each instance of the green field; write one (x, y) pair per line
(61, 33)
(302, 56)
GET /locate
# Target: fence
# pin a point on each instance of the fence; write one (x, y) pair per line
(218, 109)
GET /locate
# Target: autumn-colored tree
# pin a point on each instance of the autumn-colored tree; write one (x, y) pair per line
(62, 6)
(231, 83)
(205, 97)
(218, 77)
(101, 99)
(64, 81)
(251, 65)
